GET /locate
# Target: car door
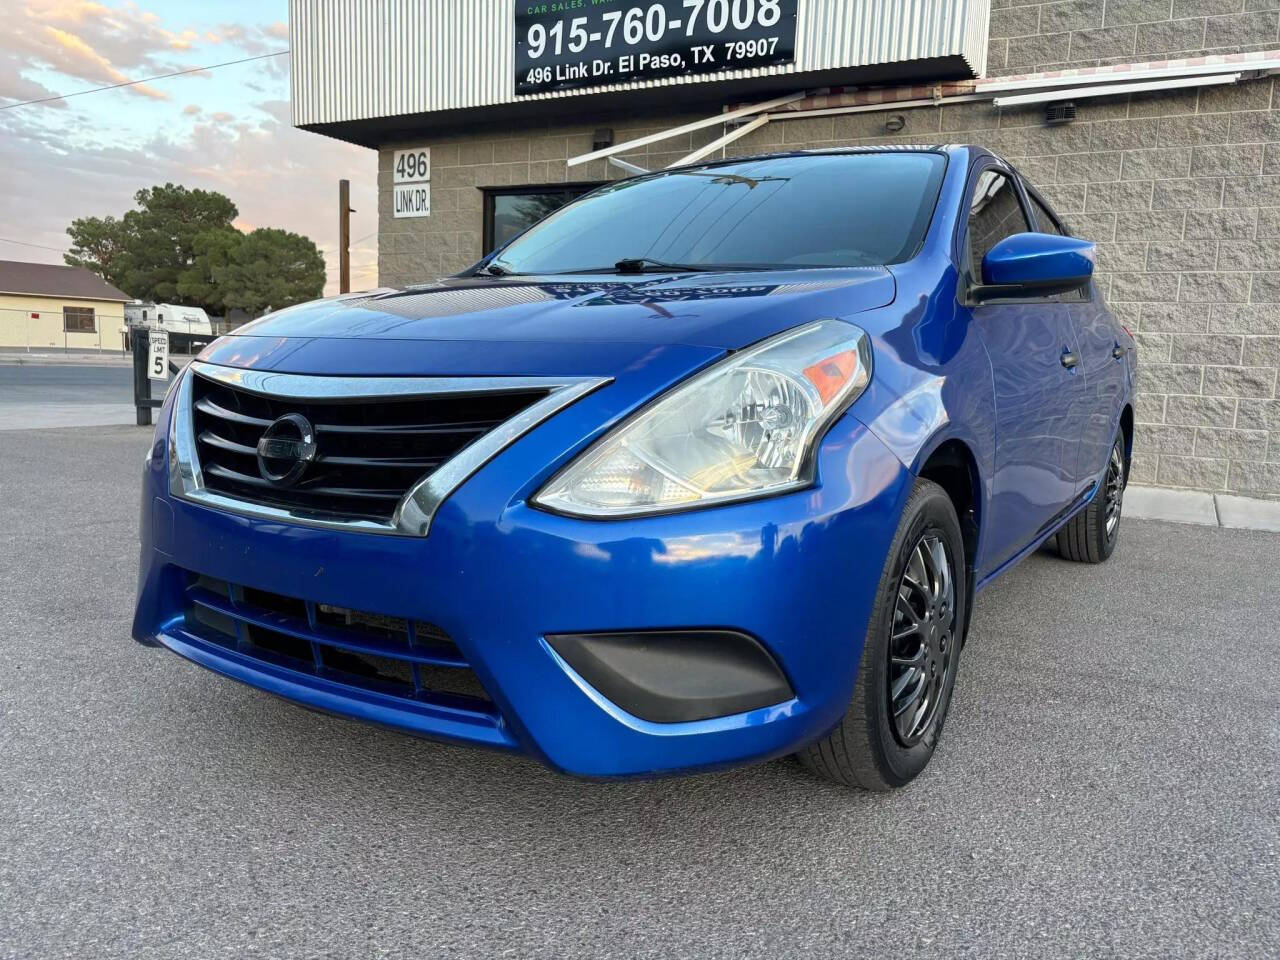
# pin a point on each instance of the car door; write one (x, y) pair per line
(1037, 380)
(1101, 359)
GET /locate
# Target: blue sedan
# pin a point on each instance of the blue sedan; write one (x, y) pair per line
(707, 467)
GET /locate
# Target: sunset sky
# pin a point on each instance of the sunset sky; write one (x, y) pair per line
(226, 129)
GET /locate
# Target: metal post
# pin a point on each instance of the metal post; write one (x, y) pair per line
(344, 236)
(141, 385)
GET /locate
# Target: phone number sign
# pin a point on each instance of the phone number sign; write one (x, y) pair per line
(583, 43)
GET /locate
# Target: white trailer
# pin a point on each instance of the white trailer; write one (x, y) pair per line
(189, 328)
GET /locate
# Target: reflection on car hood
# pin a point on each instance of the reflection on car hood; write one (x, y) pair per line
(722, 310)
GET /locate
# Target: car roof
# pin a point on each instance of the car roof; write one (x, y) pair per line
(967, 150)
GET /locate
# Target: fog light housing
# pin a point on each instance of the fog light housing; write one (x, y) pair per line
(674, 676)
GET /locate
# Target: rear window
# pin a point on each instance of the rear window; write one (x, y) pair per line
(813, 210)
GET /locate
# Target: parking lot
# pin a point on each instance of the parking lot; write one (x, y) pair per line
(1109, 784)
(76, 391)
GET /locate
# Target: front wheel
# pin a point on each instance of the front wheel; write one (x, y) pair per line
(1090, 536)
(909, 657)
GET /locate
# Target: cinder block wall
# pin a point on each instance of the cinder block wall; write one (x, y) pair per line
(1180, 189)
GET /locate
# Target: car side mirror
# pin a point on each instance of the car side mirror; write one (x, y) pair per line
(1035, 265)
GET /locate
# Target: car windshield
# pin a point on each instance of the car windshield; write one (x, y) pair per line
(834, 210)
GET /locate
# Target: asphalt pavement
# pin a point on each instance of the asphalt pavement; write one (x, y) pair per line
(39, 394)
(1109, 784)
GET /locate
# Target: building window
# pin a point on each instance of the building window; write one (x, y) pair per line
(510, 211)
(78, 320)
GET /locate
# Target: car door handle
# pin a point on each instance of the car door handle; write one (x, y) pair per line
(1069, 359)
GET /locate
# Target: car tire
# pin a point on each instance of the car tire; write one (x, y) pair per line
(1090, 536)
(874, 747)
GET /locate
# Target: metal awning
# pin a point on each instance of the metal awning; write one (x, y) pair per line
(1045, 87)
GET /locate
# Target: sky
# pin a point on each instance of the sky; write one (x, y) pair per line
(224, 129)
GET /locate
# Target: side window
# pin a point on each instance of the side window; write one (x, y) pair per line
(1045, 221)
(994, 213)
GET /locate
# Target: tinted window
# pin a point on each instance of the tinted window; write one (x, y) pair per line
(994, 213)
(1045, 222)
(815, 210)
(510, 213)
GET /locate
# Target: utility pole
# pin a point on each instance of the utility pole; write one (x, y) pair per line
(344, 236)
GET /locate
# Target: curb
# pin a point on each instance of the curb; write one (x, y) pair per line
(1206, 509)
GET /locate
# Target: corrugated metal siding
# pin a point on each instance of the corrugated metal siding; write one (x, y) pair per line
(358, 59)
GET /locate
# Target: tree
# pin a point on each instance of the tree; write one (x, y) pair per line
(97, 244)
(211, 255)
(268, 269)
(179, 247)
(160, 238)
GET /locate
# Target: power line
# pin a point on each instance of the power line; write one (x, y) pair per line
(24, 243)
(130, 83)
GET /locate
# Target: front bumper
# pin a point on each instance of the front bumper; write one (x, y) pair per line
(797, 572)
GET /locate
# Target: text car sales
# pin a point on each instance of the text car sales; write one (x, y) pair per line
(559, 7)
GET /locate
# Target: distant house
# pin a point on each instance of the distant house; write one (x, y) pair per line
(45, 305)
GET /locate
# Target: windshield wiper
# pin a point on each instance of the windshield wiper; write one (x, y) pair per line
(641, 264)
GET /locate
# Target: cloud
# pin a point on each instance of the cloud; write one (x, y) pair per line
(102, 44)
(88, 156)
(87, 42)
(277, 176)
(16, 87)
(81, 60)
(279, 110)
(254, 39)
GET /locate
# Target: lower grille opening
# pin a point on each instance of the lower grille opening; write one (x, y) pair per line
(383, 669)
(412, 659)
(458, 683)
(281, 644)
(274, 602)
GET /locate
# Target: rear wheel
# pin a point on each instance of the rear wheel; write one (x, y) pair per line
(1090, 536)
(909, 657)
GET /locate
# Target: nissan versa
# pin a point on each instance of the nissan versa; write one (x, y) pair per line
(706, 467)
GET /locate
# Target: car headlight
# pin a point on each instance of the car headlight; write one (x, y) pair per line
(743, 428)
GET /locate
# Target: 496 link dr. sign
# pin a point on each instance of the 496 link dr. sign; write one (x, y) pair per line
(562, 44)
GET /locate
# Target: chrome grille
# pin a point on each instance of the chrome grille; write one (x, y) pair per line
(378, 454)
(369, 450)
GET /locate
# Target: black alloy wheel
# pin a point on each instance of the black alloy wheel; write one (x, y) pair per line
(923, 639)
(1113, 487)
(1090, 536)
(910, 653)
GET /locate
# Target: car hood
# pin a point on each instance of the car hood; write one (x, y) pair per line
(551, 320)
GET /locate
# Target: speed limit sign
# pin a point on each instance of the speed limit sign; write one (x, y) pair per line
(158, 359)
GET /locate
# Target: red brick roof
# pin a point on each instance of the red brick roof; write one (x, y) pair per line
(52, 280)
